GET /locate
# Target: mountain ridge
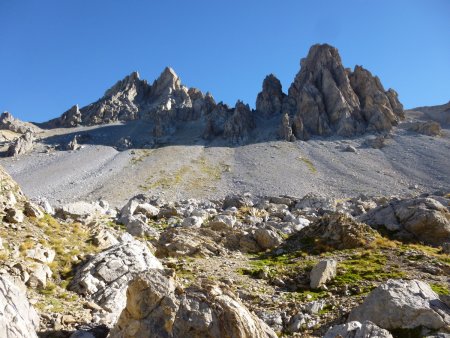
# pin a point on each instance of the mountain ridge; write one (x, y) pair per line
(324, 99)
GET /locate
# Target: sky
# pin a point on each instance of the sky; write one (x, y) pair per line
(54, 54)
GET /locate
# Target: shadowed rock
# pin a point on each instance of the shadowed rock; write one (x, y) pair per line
(158, 307)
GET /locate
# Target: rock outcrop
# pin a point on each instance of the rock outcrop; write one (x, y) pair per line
(158, 307)
(400, 304)
(424, 219)
(70, 118)
(326, 99)
(270, 101)
(231, 124)
(339, 231)
(9, 122)
(17, 317)
(24, 144)
(104, 278)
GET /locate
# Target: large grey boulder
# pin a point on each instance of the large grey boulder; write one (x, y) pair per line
(402, 304)
(158, 307)
(81, 211)
(104, 278)
(17, 317)
(425, 218)
(356, 329)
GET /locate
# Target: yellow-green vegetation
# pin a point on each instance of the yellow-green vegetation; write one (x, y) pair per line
(276, 265)
(308, 163)
(440, 289)
(69, 241)
(167, 180)
(212, 171)
(306, 295)
(198, 176)
(140, 155)
(366, 265)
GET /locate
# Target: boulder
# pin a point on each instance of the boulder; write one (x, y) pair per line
(322, 272)
(356, 329)
(17, 318)
(39, 274)
(424, 218)
(192, 222)
(80, 211)
(45, 205)
(267, 238)
(221, 222)
(41, 254)
(403, 304)
(104, 278)
(13, 215)
(158, 307)
(104, 239)
(314, 202)
(32, 210)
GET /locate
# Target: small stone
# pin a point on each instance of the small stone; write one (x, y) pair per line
(323, 272)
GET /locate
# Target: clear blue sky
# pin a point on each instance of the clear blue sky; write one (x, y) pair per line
(56, 53)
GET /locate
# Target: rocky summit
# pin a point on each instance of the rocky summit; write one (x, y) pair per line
(158, 212)
(324, 99)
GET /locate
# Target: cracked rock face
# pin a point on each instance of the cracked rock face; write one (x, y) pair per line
(234, 125)
(158, 307)
(104, 278)
(17, 317)
(401, 304)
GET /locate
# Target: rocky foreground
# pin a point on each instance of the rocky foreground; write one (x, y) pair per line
(243, 266)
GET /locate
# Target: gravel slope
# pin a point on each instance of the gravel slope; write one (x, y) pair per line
(189, 168)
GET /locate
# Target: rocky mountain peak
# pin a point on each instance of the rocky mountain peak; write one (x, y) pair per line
(270, 100)
(167, 81)
(325, 98)
(129, 84)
